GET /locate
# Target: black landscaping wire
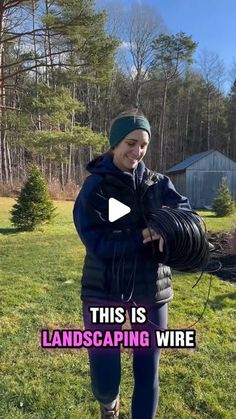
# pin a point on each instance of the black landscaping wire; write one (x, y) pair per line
(185, 244)
(186, 249)
(122, 285)
(208, 295)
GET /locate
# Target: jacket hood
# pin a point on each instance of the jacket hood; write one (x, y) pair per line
(104, 165)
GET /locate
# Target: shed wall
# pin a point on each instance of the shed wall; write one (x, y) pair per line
(214, 161)
(202, 185)
(179, 180)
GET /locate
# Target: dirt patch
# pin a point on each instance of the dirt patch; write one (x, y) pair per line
(222, 261)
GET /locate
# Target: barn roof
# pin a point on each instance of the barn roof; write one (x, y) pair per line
(188, 162)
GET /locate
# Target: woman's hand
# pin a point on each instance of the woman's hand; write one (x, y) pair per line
(147, 237)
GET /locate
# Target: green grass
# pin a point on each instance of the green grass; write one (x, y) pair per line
(43, 384)
(216, 224)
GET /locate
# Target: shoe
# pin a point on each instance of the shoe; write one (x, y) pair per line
(110, 413)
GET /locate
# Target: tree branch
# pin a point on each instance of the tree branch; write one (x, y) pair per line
(13, 3)
(35, 58)
(23, 70)
(9, 107)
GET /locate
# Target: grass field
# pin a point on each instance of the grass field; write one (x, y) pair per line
(40, 288)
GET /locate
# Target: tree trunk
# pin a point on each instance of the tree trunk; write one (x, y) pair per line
(4, 151)
(208, 120)
(186, 127)
(49, 45)
(162, 124)
(9, 164)
(62, 175)
(2, 99)
(69, 163)
(137, 89)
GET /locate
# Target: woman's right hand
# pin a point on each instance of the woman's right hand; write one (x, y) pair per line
(149, 234)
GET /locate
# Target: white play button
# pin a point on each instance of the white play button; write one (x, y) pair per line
(116, 209)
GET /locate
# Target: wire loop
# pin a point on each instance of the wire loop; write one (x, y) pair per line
(186, 247)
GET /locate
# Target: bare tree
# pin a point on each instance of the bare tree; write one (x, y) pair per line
(145, 24)
(137, 26)
(171, 55)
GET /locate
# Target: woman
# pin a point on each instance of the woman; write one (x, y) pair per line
(121, 268)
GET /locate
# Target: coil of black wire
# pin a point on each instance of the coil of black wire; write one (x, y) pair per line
(186, 247)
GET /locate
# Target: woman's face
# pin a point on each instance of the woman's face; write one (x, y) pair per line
(131, 150)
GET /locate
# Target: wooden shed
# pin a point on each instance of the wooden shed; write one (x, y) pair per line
(198, 177)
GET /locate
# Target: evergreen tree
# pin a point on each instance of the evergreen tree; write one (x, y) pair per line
(34, 206)
(223, 203)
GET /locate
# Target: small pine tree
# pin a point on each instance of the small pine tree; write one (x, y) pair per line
(223, 203)
(34, 206)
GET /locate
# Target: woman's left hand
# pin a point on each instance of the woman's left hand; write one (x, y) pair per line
(150, 235)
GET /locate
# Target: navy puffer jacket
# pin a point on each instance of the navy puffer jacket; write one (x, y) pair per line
(118, 266)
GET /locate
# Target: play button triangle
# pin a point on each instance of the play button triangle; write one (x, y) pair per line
(116, 209)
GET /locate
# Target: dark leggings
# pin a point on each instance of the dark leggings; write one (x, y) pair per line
(105, 365)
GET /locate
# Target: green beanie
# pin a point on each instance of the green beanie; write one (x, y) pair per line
(124, 125)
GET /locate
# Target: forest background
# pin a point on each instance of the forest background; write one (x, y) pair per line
(66, 69)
